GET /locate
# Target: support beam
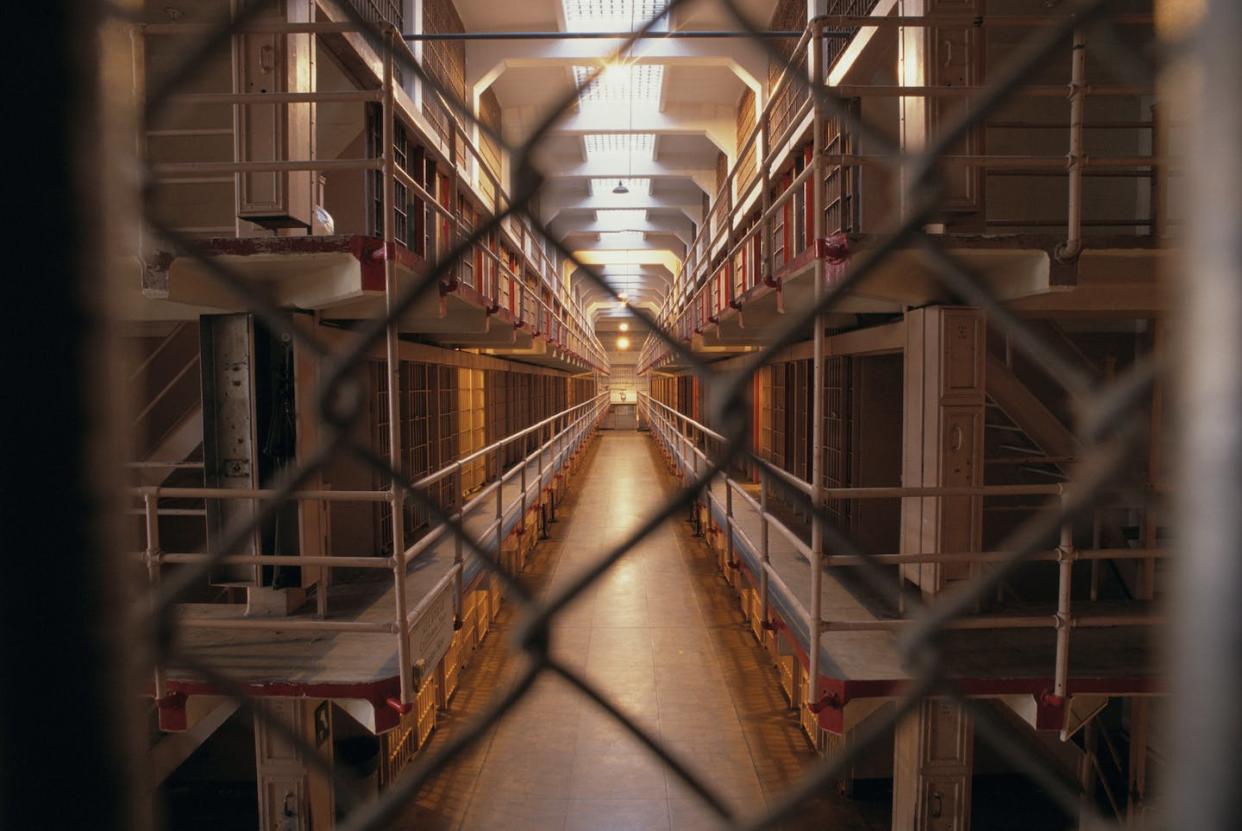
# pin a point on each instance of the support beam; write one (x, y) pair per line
(230, 438)
(944, 408)
(171, 751)
(1027, 411)
(612, 241)
(933, 757)
(717, 123)
(552, 203)
(293, 796)
(486, 61)
(941, 57)
(585, 222)
(623, 168)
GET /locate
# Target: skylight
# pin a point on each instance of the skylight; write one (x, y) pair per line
(641, 145)
(612, 15)
(639, 85)
(621, 220)
(640, 187)
(635, 238)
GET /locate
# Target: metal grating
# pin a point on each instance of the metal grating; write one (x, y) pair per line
(1106, 423)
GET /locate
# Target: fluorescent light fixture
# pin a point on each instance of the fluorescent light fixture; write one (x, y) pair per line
(612, 15)
(641, 145)
(637, 85)
(641, 187)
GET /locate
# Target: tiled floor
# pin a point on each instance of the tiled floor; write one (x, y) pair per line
(661, 634)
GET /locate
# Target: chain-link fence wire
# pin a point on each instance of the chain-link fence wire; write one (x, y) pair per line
(1109, 420)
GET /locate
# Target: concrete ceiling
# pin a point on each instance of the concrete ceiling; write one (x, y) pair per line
(693, 121)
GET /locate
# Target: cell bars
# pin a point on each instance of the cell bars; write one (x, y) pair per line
(1107, 437)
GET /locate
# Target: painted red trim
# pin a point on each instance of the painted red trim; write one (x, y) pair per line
(380, 693)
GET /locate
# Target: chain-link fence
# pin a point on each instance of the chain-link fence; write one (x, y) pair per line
(1110, 424)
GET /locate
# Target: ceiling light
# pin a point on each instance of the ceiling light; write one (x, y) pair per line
(625, 327)
(636, 186)
(620, 188)
(623, 343)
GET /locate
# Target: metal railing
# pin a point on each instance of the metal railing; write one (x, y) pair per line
(559, 436)
(683, 440)
(461, 155)
(1107, 414)
(738, 247)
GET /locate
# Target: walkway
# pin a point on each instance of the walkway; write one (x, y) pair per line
(663, 636)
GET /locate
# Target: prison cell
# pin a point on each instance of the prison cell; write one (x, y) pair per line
(903, 334)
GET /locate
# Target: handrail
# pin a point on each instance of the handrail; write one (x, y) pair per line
(699, 280)
(586, 344)
(580, 421)
(349, 495)
(667, 423)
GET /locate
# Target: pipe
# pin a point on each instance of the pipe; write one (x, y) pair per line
(1065, 582)
(686, 34)
(1078, 71)
(279, 560)
(289, 625)
(815, 58)
(153, 575)
(998, 622)
(1093, 555)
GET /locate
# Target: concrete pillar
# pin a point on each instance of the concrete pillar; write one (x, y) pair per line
(414, 25)
(293, 794)
(933, 755)
(281, 202)
(943, 426)
(314, 517)
(942, 57)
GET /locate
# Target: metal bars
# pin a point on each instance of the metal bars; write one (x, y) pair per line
(1106, 415)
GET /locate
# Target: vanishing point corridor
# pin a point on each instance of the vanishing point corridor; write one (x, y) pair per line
(661, 635)
(380, 324)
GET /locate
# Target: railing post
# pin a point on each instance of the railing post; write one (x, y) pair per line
(152, 519)
(459, 502)
(765, 267)
(558, 458)
(1065, 565)
(522, 516)
(500, 516)
(393, 353)
(543, 530)
(1075, 160)
(815, 58)
(764, 557)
